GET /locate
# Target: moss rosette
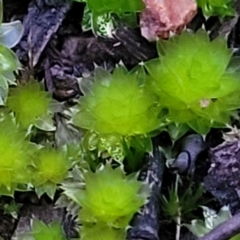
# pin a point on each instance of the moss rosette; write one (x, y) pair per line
(29, 102)
(192, 80)
(116, 104)
(50, 166)
(110, 197)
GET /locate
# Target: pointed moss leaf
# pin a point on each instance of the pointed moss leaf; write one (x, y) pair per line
(3, 87)
(223, 215)
(8, 191)
(100, 231)
(45, 123)
(152, 67)
(41, 231)
(97, 204)
(141, 143)
(176, 131)
(195, 81)
(102, 75)
(9, 76)
(200, 126)
(11, 33)
(29, 102)
(234, 65)
(197, 227)
(164, 46)
(48, 188)
(6, 79)
(8, 59)
(2, 100)
(65, 133)
(223, 55)
(85, 84)
(40, 190)
(140, 72)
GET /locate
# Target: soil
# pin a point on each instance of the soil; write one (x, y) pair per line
(60, 54)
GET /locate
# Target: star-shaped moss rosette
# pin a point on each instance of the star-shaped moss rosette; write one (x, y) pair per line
(116, 108)
(217, 7)
(31, 105)
(15, 156)
(192, 80)
(109, 197)
(50, 168)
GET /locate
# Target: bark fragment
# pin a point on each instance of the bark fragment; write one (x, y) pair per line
(223, 179)
(164, 16)
(145, 225)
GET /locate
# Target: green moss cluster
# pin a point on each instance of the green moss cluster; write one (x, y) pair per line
(108, 201)
(29, 102)
(114, 109)
(23, 162)
(117, 104)
(192, 80)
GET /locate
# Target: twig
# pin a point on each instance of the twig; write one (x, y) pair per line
(178, 226)
(225, 230)
(178, 219)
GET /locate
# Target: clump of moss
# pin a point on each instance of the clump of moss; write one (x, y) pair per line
(50, 168)
(117, 104)
(116, 107)
(29, 102)
(109, 197)
(192, 80)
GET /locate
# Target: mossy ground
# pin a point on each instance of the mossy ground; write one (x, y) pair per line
(71, 53)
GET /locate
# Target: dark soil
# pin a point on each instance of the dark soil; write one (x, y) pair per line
(60, 52)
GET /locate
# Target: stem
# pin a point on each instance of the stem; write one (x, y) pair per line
(178, 227)
(178, 218)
